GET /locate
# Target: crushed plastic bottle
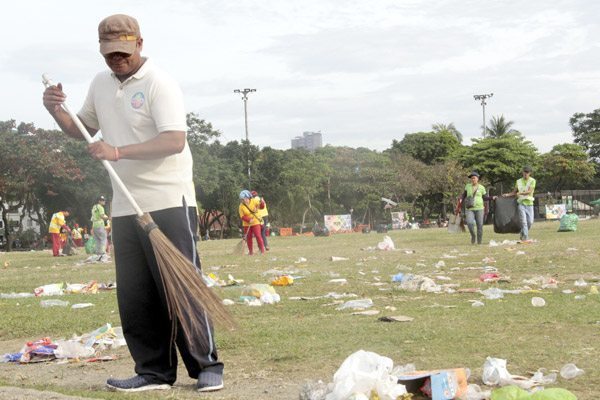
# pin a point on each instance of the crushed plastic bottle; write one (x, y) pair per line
(53, 303)
(356, 304)
(570, 371)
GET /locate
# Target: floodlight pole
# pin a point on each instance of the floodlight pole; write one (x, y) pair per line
(483, 98)
(244, 93)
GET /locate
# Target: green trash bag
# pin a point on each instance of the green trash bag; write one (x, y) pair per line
(568, 223)
(553, 394)
(510, 393)
(90, 245)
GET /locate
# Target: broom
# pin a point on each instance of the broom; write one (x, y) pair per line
(240, 247)
(187, 295)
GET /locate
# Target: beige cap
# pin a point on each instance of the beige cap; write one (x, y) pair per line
(118, 33)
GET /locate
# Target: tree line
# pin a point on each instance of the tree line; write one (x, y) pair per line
(43, 171)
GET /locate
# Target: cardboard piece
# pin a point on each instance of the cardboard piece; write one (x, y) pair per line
(444, 384)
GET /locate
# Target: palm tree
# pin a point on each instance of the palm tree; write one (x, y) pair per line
(449, 128)
(499, 127)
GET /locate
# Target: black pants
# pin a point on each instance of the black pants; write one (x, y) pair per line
(141, 298)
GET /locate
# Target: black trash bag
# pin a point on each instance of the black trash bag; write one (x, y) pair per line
(506, 216)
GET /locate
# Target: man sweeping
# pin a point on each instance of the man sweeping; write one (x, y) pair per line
(140, 111)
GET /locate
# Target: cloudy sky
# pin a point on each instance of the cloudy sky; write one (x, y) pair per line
(361, 72)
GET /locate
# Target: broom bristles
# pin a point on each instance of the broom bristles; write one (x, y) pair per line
(188, 297)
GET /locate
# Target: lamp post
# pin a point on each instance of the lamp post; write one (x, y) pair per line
(244, 93)
(483, 98)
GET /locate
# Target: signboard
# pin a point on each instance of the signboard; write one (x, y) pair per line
(338, 223)
(555, 211)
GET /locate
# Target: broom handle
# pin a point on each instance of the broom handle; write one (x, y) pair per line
(111, 171)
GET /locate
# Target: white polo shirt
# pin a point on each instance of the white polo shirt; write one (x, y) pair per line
(135, 111)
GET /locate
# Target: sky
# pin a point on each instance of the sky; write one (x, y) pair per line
(363, 73)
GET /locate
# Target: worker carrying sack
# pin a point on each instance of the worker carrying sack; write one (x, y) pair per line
(506, 216)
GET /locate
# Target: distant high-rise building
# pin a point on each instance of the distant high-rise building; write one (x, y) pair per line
(309, 141)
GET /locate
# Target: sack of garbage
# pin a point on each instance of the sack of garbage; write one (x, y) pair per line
(361, 374)
(386, 244)
(506, 216)
(568, 223)
(90, 245)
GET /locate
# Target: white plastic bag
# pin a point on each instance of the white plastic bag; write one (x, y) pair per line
(386, 244)
(495, 372)
(363, 372)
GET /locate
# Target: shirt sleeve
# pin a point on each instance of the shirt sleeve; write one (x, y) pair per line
(87, 113)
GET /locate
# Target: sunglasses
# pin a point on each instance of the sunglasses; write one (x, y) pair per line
(117, 54)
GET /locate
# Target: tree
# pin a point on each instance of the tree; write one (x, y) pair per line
(586, 131)
(29, 162)
(449, 128)
(500, 160)
(566, 165)
(427, 147)
(499, 127)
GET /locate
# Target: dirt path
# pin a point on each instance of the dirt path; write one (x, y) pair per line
(241, 381)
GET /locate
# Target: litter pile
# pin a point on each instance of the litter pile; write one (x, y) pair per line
(368, 376)
(86, 347)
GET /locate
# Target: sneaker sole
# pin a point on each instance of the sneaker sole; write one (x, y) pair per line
(211, 388)
(144, 388)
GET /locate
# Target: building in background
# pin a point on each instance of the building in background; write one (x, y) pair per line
(309, 141)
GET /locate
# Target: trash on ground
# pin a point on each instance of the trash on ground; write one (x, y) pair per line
(387, 244)
(82, 305)
(495, 373)
(477, 303)
(341, 281)
(493, 293)
(284, 280)
(330, 295)
(53, 289)
(440, 264)
(414, 283)
(488, 260)
(538, 302)
(300, 260)
(543, 282)
(335, 258)
(437, 384)
(366, 312)
(398, 277)
(356, 304)
(594, 290)
(474, 392)
(265, 294)
(14, 295)
(516, 393)
(364, 374)
(580, 297)
(228, 302)
(489, 277)
(396, 318)
(88, 345)
(493, 243)
(570, 371)
(53, 303)
(580, 282)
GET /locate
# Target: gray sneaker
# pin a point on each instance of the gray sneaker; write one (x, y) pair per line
(135, 384)
(209, 381)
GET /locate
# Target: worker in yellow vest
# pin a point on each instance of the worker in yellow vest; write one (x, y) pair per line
(57, 222)
(264, 214)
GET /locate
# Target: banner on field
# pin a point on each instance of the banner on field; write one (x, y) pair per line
(397, 219)
(338, 223)
(555, 211)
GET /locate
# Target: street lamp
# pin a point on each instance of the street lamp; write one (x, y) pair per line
(244, 93)
(483, 97)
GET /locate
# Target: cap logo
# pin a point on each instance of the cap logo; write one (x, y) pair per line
(138, 100)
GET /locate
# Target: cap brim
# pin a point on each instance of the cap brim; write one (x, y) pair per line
(117, 46)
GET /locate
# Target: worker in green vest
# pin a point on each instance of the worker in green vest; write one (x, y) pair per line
(524, 189)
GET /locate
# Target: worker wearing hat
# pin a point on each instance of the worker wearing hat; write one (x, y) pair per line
(524, 188)
(141, 113)
(473, 199)
(263, 213)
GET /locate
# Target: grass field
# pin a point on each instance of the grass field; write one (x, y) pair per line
(278, 347)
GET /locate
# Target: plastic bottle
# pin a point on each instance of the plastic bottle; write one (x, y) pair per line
(53, 303)
(570, 371)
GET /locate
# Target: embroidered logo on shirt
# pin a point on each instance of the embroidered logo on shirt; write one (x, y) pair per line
(137, 100)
